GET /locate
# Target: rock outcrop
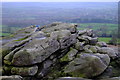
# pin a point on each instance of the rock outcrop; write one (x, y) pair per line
(57, 50)
(88, 65)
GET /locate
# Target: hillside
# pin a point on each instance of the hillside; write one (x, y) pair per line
(58, 51)
(16, 15)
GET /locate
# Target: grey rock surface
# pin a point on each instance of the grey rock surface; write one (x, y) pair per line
(72, 78)
(57, 50)
(88, 65)
(109, 51)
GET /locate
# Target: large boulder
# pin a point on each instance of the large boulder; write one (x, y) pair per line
(86, 32)
(64, 37)
(58, 27)
(101, 44)
(34, 52)
(88, 40)
(105, 50)
(88, 65)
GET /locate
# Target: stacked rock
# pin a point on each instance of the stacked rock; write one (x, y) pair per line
(57, 50)
(85, 57)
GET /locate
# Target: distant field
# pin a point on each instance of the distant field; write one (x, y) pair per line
(104, 39)
(5, 34)
(96, 26)
(6, 31)
(100, 29)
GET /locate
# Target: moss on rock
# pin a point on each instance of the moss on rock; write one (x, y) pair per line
(70, 55)
(7, 69)
(5, 52)
(24, 71)
(64, 58)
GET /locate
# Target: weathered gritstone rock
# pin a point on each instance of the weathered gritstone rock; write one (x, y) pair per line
(88, 65)
(35, 52)
(101, 44)
(13, 77)
(63, 26)
(64, 37)
(114, 78)
(57, 50)
(38, 47)
(19, 35)
(86, 32)
(72, 78)
(88, 40)
(11, 46)
(94, 49)
(79, 45)
(70, 55)
(109, 51)
(91, 49)
(106, 74)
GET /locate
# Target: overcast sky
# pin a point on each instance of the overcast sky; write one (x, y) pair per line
(60, 0)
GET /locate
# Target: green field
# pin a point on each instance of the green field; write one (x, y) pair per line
(5, 34)
(7, 31)
(99, 28)
(104, 39)
(103, 30)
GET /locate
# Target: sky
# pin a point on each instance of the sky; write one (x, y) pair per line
(60, 0)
